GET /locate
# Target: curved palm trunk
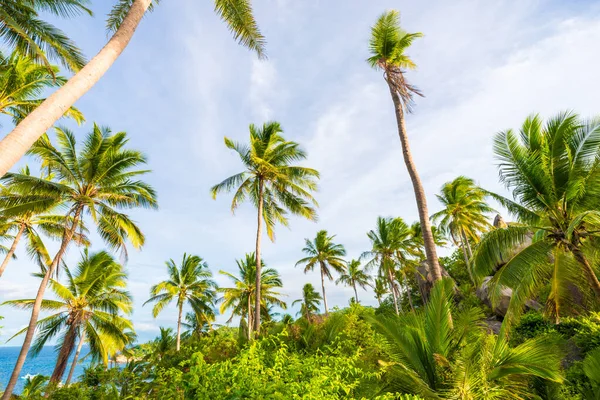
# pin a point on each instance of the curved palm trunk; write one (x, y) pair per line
(588, 270)
(37, 305)
(428, 242)
(378, 300)
(249, 324)
(17, 142)
(323, 287)
(355, 292)
(75, 358)
(63, 355)
(12, 249)
(258, 264)
(463, 244)
(178, 345)
(393, 288)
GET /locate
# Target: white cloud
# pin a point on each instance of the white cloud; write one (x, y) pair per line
(264, 90)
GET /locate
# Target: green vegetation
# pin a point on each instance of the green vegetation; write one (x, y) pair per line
(511, 313)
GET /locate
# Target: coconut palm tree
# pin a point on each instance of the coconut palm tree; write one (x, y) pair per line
(435, 358)
(25, 33)
(463, 217)
(90, 305)
(309, 303)
(30, 224)
(325, 254)
(34, 387)
(189, 283)
(197, 325)
(553, 171)
(388, 46)
(272, 184)
(355, 275)
(381, 288)
(22, 82)
(163, 343)
(99, 179)
(123, 20)
(240, 297)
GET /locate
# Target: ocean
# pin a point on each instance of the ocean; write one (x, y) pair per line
(42, 364)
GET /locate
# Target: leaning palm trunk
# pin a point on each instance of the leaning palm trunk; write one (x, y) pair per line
(66, 349)
(466, 249)
(12, 249)
(179, 326)
(355, 292)
(17, 142)
(37, 306)
(258, 265)
(75, 358)
(393, 288)
(323, 288)
(587, 269)
(429, 244)
(249, 324)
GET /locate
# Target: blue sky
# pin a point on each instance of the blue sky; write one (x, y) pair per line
(183, 84)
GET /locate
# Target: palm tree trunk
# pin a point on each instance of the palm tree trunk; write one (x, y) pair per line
(37, 305)
(13, 247)
(391, 280)
(587, 269)
(17, 142)
(378, 300)
(355, 292)
(429, 244)
(409, 293)
(62, 360)
(249, 325)
(463, 245)
(323, 287)
(178, 345)
(75, 358)
(258, 265)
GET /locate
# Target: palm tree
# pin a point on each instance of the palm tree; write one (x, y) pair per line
(463, 217)
(240, 297)
(163, 343)
(190, 283)
(322, 251)
(435, 358)
(197, 324)
(87, 307)
(388, 45)
(99, 179)
(28, 35)
(355, 275)
(380, 288)
(34, 387)
(553, 171)
(309, 303)
(123, 20)
(22, 82)
(273, 185)
(30, 224)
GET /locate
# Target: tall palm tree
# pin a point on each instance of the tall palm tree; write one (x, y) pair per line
(22, 82)
(30, 224)
(240, 297)
(553, 171)
(325, 254)
(309, 303)
(463, 217)
(197, 324)
(189, 283)
(272, 184)
(123, 20)
(100, 179)
(25, 33)
(388, 46)
(88, 306)
(355, 275)
(163, 343)
(434, 358)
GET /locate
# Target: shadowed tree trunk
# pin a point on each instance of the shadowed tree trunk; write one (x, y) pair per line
(178, 345)
(393, 289)
(37, 305)
(12, 249)
(249, 328)
(466, 249)
(428, 241)
(258, 264)
(65, 352)
(75, 358)
(587, 269)
(323, 288)
(17, 142)
(355, 292)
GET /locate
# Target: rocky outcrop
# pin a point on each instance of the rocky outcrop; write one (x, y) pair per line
(424, 279)
(483, 293)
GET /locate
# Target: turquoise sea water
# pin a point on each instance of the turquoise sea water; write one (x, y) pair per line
(42, 364)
